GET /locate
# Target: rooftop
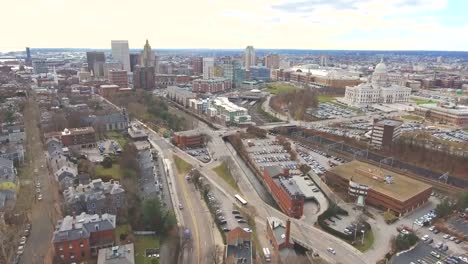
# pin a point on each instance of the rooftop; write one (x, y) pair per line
(188, 133)
(289, 185)
(402, 188)
(279, 229)
(72, 228)
(389, 122)
(123, 254)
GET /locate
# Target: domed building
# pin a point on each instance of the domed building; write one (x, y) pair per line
(380, 90)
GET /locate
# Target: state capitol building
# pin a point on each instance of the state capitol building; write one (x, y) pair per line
(380, 90)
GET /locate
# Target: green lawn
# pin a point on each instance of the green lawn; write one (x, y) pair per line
(114, 171)
(368, 241)
(121, 139)
(223, 172)
(422, 101)
(141, 244)
(276, 88)
(122, 229)
(325, 98)
(182, 166)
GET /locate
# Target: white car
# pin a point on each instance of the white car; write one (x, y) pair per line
(39, 197)
(425, 237)
(181, 206)
(331, 250)
(446, 236)
(248, 230)
(20, 250)
(431, 228)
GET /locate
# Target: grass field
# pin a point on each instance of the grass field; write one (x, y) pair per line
(276, 88)
(114, 171)
(325, 98)
(223, 172)
(412, 117)
(422, 101)
(182, 166)
(122, 229)
(368, 241)
(141, 244)
(121, 139)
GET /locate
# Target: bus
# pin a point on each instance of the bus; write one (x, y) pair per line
(240, 199)
(267, 254)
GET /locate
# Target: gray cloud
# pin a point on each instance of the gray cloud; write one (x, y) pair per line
(311, 5)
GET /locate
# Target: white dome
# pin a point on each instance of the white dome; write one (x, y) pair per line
(380, 68)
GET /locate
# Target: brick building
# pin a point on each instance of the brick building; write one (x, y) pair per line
(284, 190)
(385, 189)
(191, 138)
(119, 78)
(211, 85)
(84, 137)
(278, 233)
(76, 239)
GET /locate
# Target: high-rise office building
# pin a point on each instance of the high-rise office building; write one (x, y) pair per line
(147, 56)
(110, 66)
(94, 56)
(228, 68)
(249, 57)
(323, 60)
(272, 61)
(28, 56)
(144, 78)
(208, 68)
(118, 77)
(134, 60)
(120, 53)
(40, 66)
(197, 65)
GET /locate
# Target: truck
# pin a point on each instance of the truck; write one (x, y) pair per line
(267, 254)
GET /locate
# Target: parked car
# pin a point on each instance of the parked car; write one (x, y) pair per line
(331, 250)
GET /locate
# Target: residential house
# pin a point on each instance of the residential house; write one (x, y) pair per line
(95, 197)
(76, 239)
(149, 186)
(66, 176)
(12, 151)
(239, 247)
(7, 181)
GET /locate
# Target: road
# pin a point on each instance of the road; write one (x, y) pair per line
(194, 215)
(43, 215)
(313, 237)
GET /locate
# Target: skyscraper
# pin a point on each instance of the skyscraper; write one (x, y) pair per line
(134, 60)
(144, 78)
(272, 61)
(40, 66)
(197, 65)
(228, 68)
(249, 57)
(208, 68)
(28, 56)
(147, 56)
(94, 56)
(120, 53)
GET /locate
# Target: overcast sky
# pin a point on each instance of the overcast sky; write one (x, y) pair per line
(297, 24)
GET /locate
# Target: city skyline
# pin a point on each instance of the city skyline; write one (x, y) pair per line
(278, 24)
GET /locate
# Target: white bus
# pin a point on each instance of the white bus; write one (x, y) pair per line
(267, 254)
(240, 199)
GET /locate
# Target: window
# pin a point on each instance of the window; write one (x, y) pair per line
(93, 205)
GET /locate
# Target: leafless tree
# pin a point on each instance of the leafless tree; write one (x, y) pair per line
(214, 255)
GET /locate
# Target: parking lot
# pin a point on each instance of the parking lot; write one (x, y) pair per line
(268, 152)
(454, 136)
(330, 111)
(458, 224)
(201, 154)
(422, 254)
(226, 213)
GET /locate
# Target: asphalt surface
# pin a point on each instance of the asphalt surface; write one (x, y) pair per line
(38, 245)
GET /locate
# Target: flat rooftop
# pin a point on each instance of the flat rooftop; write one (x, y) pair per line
(389, 122)
(402, 188)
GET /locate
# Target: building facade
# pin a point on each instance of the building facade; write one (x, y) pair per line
(180, 95)
(78, 238)
(81, 137)
(259, 73)
(93, 57)
(272, 61)
(188, 139)
(456, 115)
(97, 197)
(211, 85)
(120, 53)
(40, 66)
(144, 78)
(119, 78)
(384, 132)
(208, 68)
(250, 59)
(197, 65)
(378, 91)
(284, 190)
